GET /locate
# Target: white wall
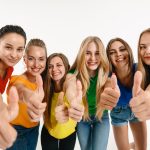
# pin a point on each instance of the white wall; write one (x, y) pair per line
(63, 24)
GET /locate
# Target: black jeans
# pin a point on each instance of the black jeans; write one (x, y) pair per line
(48, 142)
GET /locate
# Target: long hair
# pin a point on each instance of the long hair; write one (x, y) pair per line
(49, 84)
(131, 58)
(141, 65)
(82, 71)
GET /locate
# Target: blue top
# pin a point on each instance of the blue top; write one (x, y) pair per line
(126, 93)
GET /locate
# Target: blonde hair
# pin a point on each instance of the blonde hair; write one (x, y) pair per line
(141, 65)
(82, 72)
(36, 42)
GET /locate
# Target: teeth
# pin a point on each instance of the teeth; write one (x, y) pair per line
(119, 59)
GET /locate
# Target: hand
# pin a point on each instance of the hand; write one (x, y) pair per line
(61, 111)
(8, 113)
(110, 96)
(34, 100)
(140, 103)
(76, 109)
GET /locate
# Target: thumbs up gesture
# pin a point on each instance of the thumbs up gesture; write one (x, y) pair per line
(61, 111)
(140, 103)
(7, 113)
(35, 105)
(111, 94)
(33, 99)
(76, 109)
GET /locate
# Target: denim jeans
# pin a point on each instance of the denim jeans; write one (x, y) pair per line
(26, 138)
(121, 115)
(94, 134)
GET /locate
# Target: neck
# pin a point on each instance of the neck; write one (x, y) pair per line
(125, 76)
(30, 77)
(57, 86)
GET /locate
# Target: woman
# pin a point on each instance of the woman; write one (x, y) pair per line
(12, 43)
(140, 103)
(91, 68)
(35, 60)
(55, 135)
(122, 64)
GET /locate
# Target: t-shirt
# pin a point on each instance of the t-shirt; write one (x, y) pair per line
(125, 92)
(4, 81)
(23, 118)
(59, 130)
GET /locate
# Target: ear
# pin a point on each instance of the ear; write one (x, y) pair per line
(25, 58)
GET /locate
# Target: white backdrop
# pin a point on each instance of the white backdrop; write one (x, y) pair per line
(63, 24)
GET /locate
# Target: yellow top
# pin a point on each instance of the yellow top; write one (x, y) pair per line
(23, 118)
(60, 130)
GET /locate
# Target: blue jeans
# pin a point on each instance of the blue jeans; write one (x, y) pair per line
(26, 138)
(121, 115)
(93, 134)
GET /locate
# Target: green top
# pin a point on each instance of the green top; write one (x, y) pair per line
(91, 95)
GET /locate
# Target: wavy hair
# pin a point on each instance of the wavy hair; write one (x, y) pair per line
(83, 74)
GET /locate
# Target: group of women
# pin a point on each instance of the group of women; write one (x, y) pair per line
(77, 98)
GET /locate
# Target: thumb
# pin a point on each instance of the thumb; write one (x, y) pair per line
(79, 91)
(39, 83)
(137, 83)
(13, 107)
(114, 84)
(60, 99)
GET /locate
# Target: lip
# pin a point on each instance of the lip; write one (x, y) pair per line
(12, 60)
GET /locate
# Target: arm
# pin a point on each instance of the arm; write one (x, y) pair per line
(33, 99)
(110, 96)
(7, 113)
(140, 103)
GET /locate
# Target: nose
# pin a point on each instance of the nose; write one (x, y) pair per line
(13, 54)
(148, 50)
(118, 53)
(93, 57)
(36, 63)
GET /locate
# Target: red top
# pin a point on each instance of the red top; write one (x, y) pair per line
(4, 81)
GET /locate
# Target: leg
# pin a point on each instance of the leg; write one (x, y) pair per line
(32, 137)
(84, 134)
(47, 141)
(121, 137)
(68, 143)
(139, 131)
(100, 133)
(21, 141)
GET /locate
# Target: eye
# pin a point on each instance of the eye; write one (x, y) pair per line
(112, 52)
(50, 67)
(30, 58)
(143, 47)
(8, 48)
(59, 65)
(123, 49)
(87, 53)
(97, 53)
(20, 50)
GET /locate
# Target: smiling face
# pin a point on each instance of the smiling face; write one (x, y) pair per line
(11, 49)
(56, 69)
(119, 55)
(92, 58)
(35, 60)
(144, 46)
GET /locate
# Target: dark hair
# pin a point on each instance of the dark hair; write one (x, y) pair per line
(12, 29)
